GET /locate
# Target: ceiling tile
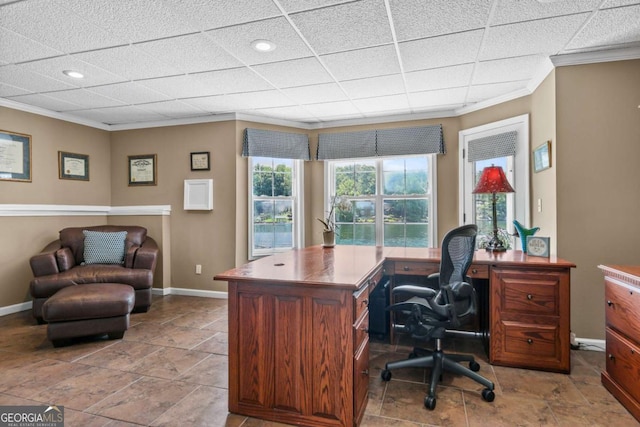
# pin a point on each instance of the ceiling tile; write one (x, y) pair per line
(53, 26)
(238, 39)
(392, 103)
(362, 63)
(374, 86)
(44, 101)
(510, 69)
(289, 113)
(415, 19)
(344, 27)
(8, 90)
(190, 54)
(208, 15)
(83, 98)
(131, 20)
(261, 99)
(54, 67)
(510, 11)
(544, 36)
(129, 62)
(616, 3)
(327, 92)
(610, 27)
(332, 109)
(479, 93)
(15, 75)
(296, 5)
(16, 48)
(173, 109)
(297, 72)
(453, 49)
(129, 93)
(435, 98)
(216, 103)
(439, 78)
(117, 115)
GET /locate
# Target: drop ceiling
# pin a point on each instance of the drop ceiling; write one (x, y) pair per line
(154, 62)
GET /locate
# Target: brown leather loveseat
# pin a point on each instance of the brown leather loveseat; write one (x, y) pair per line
(61, 263)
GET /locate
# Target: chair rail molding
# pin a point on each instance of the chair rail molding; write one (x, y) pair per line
(82, 210)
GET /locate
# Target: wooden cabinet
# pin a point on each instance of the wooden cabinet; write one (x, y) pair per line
(622, 316)
(530, 318)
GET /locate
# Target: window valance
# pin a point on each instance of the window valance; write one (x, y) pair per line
(491, 147)
(281, 145)
(384, 142)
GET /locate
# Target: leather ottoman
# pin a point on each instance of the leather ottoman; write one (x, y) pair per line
(90, 309)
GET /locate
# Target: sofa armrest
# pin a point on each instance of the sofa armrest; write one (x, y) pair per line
(45, 262)
(147, 255)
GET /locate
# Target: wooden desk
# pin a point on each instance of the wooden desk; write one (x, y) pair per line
(298, 346)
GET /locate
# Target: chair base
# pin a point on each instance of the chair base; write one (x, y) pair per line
(440, 362)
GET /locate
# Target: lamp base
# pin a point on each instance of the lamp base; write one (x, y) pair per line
(495, 245)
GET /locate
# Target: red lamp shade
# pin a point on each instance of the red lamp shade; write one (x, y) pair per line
(493, 180)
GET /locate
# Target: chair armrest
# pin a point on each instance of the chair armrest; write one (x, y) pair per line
(45, 262)
(419, 291)
(147, 255)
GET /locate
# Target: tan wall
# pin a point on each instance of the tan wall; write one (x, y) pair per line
(25, 236)
(598, 147)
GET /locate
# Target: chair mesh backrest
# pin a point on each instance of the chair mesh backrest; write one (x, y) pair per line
(458, 247)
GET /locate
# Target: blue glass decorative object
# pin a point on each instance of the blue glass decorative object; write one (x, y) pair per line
(523, 233)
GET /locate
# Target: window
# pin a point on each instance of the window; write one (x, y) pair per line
(390, 201)
(275, 205)
(476, 208)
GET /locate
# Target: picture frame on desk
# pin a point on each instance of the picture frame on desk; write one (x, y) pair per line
(538, 246)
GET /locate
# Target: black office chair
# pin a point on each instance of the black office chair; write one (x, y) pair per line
(431, 311)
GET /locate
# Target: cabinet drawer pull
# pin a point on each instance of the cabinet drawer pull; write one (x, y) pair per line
(611, 357)
(474, 271)
(529, 297)
(609, 303)
(365, 301)
(406, 268)
(530, 341)
(365, 372)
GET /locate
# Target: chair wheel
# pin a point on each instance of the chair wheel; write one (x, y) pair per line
(488, 395)
(474, 366)
(430, 403)
(385, 375)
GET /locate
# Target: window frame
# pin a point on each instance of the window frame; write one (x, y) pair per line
(329, 190)
(297, 207)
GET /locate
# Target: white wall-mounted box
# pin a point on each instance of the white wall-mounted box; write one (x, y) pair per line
(198, 194)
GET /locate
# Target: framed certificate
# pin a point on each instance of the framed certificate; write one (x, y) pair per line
(15, 156)
(200, 161)
(143, 170)
(73, 166)
(538, 246)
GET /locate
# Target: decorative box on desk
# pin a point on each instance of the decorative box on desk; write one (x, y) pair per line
(622, 315)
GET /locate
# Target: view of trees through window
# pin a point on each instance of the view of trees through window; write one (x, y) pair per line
(398, 207)
(273, 203)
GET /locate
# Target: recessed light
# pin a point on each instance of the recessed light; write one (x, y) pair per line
(263, 45)
(74, 74)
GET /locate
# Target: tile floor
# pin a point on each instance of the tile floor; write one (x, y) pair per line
(171, 370)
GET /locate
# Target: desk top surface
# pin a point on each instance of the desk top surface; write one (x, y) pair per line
(347, 266)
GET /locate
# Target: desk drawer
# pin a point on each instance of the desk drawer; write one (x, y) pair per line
(415, 267)
(621, 308)
(478, 271)
(530, 297)
(623, 362)
(361, 301)
(531, 340)
(361, 330)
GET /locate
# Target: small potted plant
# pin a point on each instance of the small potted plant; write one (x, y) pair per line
(329, 222)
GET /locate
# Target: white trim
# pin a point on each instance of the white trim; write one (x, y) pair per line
(190, 292)
(591, 344)
(53, 114)
(16, 308)
(593, 57)
(81, 210)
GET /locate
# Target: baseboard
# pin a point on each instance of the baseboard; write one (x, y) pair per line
(16, 308)
(591, 344)
(190, 292)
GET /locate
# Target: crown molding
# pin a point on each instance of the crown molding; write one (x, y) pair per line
(53, 114)
(596, 56)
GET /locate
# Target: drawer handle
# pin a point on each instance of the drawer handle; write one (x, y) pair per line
(474, 271)
(365, 330)
(365, 301)
(406, 268)
(529, 297)
(530, 341)
(609, 303)
(611, 357)
(365, 372)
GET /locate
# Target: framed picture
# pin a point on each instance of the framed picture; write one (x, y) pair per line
(200, 161)
(15, 156)
(538, 246)
(542, 157)
(73, 166)
(143, 170)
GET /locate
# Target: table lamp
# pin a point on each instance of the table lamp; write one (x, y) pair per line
(493, 181)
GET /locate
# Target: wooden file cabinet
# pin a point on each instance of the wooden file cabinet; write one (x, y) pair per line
(622, 316)
(530, 318)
